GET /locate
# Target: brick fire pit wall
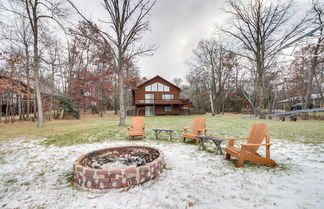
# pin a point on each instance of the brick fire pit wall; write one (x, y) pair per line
(117, 178)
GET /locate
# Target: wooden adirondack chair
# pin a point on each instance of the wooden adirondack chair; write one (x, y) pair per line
(248, 151)
(198, 128)
(137, 128)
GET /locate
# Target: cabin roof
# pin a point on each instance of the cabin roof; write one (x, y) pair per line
(142, 84)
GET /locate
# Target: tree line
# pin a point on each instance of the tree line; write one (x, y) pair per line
(55, 61)
(242, 64)
(90, 67)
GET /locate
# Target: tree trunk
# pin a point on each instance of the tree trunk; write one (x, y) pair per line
(11, 108)
(35, 107)
(250, 101)
(211, 103)
(19, 106)
(0, 108)
(260, 99)
(116, 97)
(40, 119)
(28, 79)
(214, 93)
(7, 109)
(28, 98)
(311, 77)
(319, 90)
(50, 117)
(122, 113)
(222, 100)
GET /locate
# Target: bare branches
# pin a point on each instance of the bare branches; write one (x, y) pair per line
(127, 20)
(261, 27)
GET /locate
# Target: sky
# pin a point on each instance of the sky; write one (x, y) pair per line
(176, 28)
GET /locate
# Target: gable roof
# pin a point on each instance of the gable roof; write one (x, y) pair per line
(142, 84)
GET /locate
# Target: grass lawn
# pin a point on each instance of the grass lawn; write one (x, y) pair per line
(97, 129)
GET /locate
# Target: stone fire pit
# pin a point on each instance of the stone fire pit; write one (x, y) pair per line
(118, 167)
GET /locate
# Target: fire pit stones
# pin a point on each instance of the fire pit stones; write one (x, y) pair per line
(134, 165)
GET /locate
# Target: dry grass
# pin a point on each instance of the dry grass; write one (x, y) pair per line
(96, 129)
(55, 127)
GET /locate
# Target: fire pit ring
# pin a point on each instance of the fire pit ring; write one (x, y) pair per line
(135, 165)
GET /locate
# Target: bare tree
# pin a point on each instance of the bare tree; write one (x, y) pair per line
(128, 20)
(206, 56)
(35, 11)
(213, 55)
(262, 28)
(178, 81)
(317, 13)
(53, 48)
(19, 35)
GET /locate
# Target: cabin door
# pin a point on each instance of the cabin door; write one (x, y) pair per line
(149, 111)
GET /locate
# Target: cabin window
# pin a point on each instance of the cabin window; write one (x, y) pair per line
(167, 108)
(157, 87)
(167, 96)
(160, 87)
(149, 98)
(154, 87)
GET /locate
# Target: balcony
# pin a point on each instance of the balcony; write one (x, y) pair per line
(162, 102)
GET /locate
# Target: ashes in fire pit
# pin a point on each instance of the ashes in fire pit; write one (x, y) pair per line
(118, 167)
(121, 158)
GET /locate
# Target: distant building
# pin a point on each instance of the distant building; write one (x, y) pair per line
(158, 96)
(296, 103)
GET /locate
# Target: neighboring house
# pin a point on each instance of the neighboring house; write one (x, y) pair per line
(159, 97)
(295, 103)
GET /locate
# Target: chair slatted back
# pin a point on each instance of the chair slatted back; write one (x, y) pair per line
(257, 134)
(199, 123)
(138, 123)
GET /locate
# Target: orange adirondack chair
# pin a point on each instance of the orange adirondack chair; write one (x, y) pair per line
(248, 151)
(198, 128)
(137, 128)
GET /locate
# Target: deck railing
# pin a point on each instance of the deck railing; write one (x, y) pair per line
(162, 101)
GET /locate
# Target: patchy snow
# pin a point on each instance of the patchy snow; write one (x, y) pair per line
(33, 176)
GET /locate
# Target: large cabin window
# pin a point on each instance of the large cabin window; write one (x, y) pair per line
(149, 98)
(154, 87)
(157, 87)
(160, 87)
(167, 96)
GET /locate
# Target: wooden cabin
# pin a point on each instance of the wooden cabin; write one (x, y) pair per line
(158, 96)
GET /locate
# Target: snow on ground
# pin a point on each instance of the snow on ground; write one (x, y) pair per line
(33, 176)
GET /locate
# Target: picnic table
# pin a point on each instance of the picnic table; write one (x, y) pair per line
(217, 142)
(159, 130)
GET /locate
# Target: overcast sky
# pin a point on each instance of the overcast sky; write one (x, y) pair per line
(177, 26)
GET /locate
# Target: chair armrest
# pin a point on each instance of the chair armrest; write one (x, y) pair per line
(251, 145)
(185, 129)
(128, 128)
(240, 138)
(202, 131)
(243, 138)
